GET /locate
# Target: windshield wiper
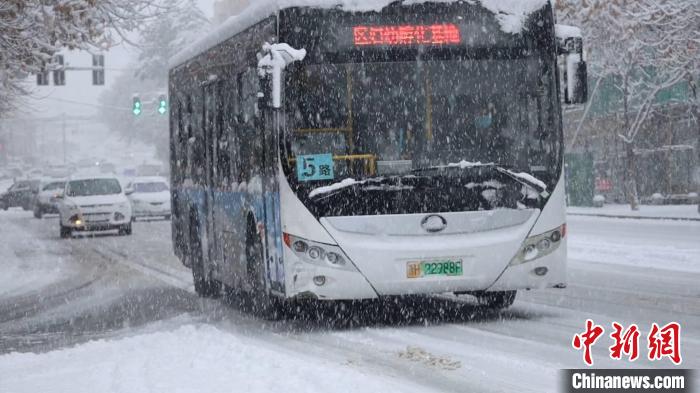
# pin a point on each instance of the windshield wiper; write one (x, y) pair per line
(520, 177)
(370, 184)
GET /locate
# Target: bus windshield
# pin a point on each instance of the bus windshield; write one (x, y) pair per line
(393, 118)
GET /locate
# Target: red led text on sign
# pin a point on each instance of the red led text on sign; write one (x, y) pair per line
(444, 34)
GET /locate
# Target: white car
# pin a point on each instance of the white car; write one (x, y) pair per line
(150, 197)
(46, 200)
(94, 203)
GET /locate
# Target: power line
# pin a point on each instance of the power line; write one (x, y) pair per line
(88, 104)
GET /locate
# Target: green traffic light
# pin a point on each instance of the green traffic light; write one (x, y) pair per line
(163, 107)
(137, 108)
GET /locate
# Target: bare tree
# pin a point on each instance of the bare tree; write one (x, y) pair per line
(32, 31)
(641, 47)
(160, 39)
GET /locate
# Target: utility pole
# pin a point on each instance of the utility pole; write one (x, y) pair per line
(63, 117)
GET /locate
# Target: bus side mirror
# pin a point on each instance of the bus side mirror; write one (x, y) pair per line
(273, 60)
(570, 45)
(576, 77)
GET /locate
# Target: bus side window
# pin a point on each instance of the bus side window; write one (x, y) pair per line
(250, 139)
(175, 130)
(188, 135)
(197, 158)
(211, 135)
(230, 117)
(223, 157)
(184, 115)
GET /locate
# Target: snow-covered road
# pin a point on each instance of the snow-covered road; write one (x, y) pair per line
(112, 314)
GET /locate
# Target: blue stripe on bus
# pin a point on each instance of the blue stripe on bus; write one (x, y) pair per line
(232, 204)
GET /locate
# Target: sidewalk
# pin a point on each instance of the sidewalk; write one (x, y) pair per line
(666, 212)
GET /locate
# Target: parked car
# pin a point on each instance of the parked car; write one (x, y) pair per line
(13, 172)
(94, 203)
(35, 173)
(58, 171)
(46, 201)
(150, 197)
(107, 168)
(150, 169)
(20, 194)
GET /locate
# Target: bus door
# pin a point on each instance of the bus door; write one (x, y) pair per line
(271, 128)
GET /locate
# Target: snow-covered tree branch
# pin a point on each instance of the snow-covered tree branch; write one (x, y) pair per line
(642, 48)
(31, 31)
(160, 39)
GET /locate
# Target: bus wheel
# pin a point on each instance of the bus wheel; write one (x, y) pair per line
(264, 304)
(496, 300)
(204, 286)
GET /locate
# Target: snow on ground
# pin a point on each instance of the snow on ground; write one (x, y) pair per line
(519, 350)
(27, 265)
(645, 211)
(192, 358)
(660, 244)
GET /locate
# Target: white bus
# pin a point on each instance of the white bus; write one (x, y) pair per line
(337, 151)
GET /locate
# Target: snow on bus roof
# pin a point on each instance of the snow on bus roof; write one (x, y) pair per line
(510, 14)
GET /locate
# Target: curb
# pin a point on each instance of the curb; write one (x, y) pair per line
(635, 217)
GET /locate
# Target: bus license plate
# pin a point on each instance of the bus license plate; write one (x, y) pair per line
(417, 269)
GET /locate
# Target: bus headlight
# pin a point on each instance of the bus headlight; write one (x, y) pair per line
(539, 246)
(334, 258)
(315, 253)
(318, 253)
(300, 246)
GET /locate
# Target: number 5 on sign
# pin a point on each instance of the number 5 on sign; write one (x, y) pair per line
(315, 167)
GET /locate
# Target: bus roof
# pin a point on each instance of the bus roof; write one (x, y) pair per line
(510, 14)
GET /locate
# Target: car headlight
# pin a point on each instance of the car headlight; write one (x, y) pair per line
(539, 246)
(327, 255)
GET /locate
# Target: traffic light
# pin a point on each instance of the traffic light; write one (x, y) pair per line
(162, 104)
(98, 70)
(59, 74)
(136, 107)
(42, 77)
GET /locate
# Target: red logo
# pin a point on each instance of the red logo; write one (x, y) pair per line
(665, 341)
(627, 343)
(662, 342)
(587, 339)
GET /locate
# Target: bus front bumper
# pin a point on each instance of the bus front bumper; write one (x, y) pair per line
(325, 282)
(548, 271)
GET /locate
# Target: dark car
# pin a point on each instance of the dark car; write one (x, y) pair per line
(21, 194)
(46, 201)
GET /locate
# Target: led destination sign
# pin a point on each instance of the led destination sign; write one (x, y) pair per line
(407, 35)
